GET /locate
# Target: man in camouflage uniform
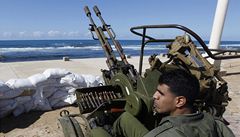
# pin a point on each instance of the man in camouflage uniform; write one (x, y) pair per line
(174, 97)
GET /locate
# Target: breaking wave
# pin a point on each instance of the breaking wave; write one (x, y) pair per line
(29, 49)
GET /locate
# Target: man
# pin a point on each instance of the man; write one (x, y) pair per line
(174, 97)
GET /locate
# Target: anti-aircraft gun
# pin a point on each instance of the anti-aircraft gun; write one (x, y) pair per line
(126, 89)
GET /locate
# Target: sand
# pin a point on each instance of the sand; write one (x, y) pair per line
(79, 66)
(36, 124)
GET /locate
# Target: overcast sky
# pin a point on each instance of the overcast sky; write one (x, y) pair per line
(65, 19)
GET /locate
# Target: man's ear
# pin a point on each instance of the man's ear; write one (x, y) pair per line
(180, 101)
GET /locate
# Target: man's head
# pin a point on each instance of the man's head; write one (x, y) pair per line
(176, 92)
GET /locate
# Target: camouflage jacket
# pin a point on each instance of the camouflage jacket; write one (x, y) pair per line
(191, 125)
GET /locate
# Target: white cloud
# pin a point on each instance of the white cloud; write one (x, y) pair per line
(73, 34)
(7, 34)
(64, 34)
(54, 33)
(37, 34)
(44, 35)
(22, 34)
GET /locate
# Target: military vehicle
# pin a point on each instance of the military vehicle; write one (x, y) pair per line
(126, 89)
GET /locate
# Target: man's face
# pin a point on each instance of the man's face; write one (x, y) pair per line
(164, 100)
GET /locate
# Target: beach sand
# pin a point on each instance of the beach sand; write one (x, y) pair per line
(36, 124)
(91, 66)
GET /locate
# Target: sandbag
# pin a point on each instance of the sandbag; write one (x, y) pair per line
(92, 81)
(63, 101)
(55, 73)
(70, 99)
(5, 91)
(11, 94)
(18, 110)
(38, 97)
(43, 105)
(7, 106)
(60, 104)
(74, 80)
(58, 94)
(29, 105)
(23, 99)
(38, 80)
(5, 102)
(3, 87)
(72, 90)
(49, 91)
(20, 84)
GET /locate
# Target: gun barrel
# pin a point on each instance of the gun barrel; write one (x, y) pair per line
(117, 45)
(96, 10)
(87, 11)
(115, 42)
(111, 59)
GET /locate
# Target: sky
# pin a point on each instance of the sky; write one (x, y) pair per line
(65, 19)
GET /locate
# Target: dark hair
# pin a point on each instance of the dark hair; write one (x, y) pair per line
(181, 83)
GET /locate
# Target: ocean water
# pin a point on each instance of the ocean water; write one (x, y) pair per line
(29, 50)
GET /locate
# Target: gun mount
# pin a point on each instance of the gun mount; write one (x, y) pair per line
(127, 89)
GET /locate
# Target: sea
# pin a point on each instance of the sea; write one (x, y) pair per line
(33, 50)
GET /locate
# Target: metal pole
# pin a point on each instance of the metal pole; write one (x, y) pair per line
(217, 29)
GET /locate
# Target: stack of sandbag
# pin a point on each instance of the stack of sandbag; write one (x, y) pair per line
(10, 96)
(7, 104)
(44, 91)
